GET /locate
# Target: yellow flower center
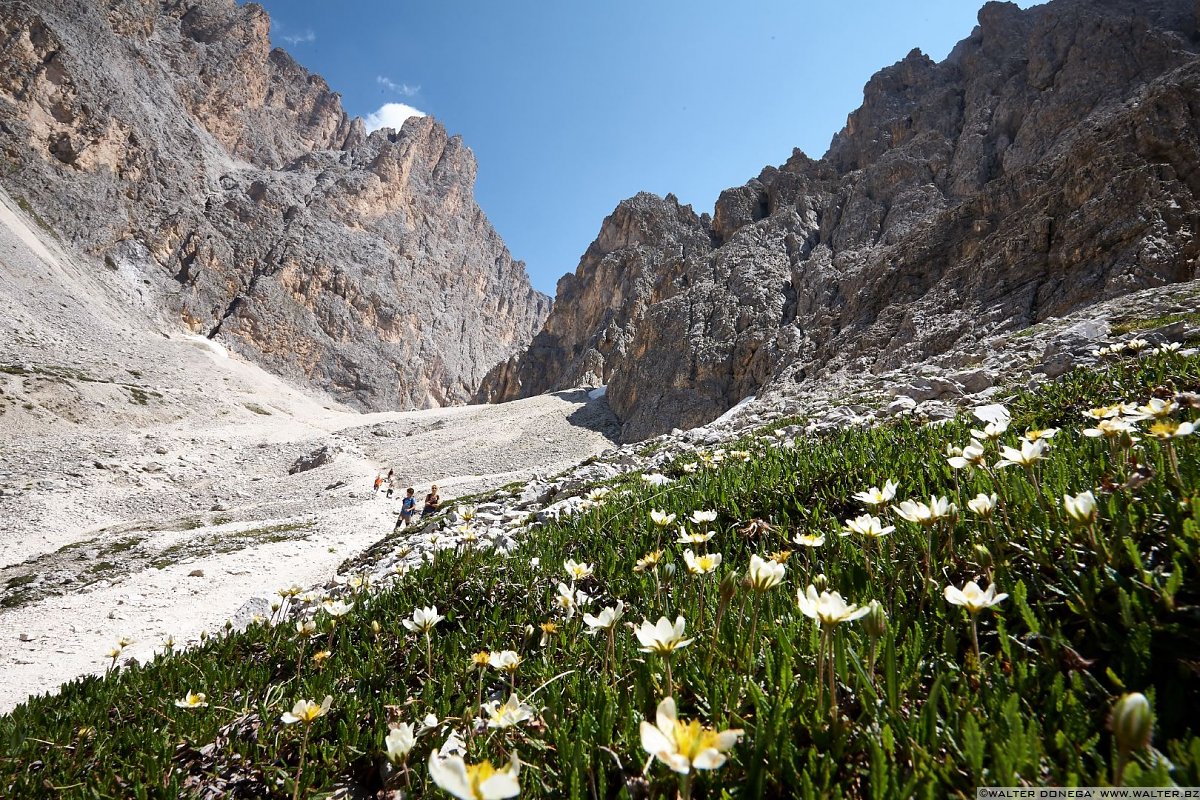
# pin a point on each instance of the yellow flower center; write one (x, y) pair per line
(1164, 429)
(692, 739)
(477, 774)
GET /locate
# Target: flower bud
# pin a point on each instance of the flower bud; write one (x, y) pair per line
(821, 583)
(1132, 722)
(728, 586)
(376, 628)
(983, 556)
(875, 621)
(669, 570)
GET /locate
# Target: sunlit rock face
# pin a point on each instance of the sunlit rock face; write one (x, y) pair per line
(225, 183)
(1049, 162)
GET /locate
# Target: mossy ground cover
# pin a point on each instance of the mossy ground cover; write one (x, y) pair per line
(1093, 611)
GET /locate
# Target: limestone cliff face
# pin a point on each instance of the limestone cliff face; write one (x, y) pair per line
(1051, 161)
(226, 185)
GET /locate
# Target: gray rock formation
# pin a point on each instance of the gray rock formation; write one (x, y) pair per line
(224, 185)
(1048, 163)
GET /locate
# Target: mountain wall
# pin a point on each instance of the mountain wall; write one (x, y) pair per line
(1048, 163)
(224, 185)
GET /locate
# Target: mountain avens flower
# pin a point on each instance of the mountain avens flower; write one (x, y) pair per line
(992, 431)
(694, 538)
(809, 539)
(577, 570)
(702, 517)
(399, 742)
(662, 637)
(192, 700)
(549, 628)
(1033, 434)
(764, 574)
(983, 505)
(937, 509)
(606, 619)
(661, 518)
(974, 600)
(1081, 507)
(1112, 429)
(685, 746)
(656, 479)
(511, 712)
(869, 526)
(481, 659)
(567, 599)
(479, 781)
(648, 561)
(423, 620)
(505, 661)
(828, 608)
(306, 711)
(972, 456)
(1029, 454)
(875, 497)
(1170, 429)
(1132, 722)
(703, 564)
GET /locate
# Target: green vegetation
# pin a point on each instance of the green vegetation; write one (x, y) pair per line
(257, 409)
(1134, 325)
(229, 542)
(1093, 611)
(25, 206)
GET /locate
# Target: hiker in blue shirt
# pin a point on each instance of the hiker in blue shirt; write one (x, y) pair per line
(408, 507)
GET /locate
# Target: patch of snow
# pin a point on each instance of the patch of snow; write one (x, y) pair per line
(597, 393)
(733, 412)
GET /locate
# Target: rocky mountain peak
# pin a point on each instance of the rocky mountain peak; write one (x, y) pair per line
(1046, 164)
(218, 184)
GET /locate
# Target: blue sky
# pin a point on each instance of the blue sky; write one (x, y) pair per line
(572, 106)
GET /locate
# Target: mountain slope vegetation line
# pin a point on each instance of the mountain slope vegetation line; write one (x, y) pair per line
(1076, 510)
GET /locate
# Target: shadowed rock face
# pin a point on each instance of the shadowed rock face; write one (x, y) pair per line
(226, 185)
(1048, 163)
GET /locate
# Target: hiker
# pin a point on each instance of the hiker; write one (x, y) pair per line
(378, 482)
(432, 501)
(408, 507)
(391, 482)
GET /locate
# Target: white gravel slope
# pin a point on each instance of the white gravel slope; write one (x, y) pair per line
(133, 455)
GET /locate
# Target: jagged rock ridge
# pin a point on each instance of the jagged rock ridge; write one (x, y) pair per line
(1048, 163)
(225, 188)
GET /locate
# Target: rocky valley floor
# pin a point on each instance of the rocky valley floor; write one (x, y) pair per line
(151, 483)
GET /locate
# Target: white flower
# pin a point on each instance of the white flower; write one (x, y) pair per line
(661, 518)
(662, 637)
(577, 570)
(972, 456)
(937, 509)
(972, 597)
(1033, 434)
(983, 504)
(656, 479)
(1170, 429)
(995, 414)
(479, 781)
(423, 620)
(694, 538)
(454, 745)
(877, 497)
(568, 598)
(192, 700)
(690, 468)
(337, 609)
(1137, 345)
(701, 565)
(399, 742)
(809, 539)
(870, 526)
(685, 746)
(505, 660)
(306, 711)
(992, 431)
(828, 608)
(1111, 428)
(701, 517)
(764, 575)
(1081, 507)
(511, 712)
(607, 618)
(1029, 454)
(598, 494)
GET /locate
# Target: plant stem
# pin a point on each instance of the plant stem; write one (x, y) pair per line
(670, 682)
(300, 766)
(975, 639)
(428, 655)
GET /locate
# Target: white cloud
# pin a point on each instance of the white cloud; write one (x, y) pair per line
(399, 88)
(391, 115)
(300, 38)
